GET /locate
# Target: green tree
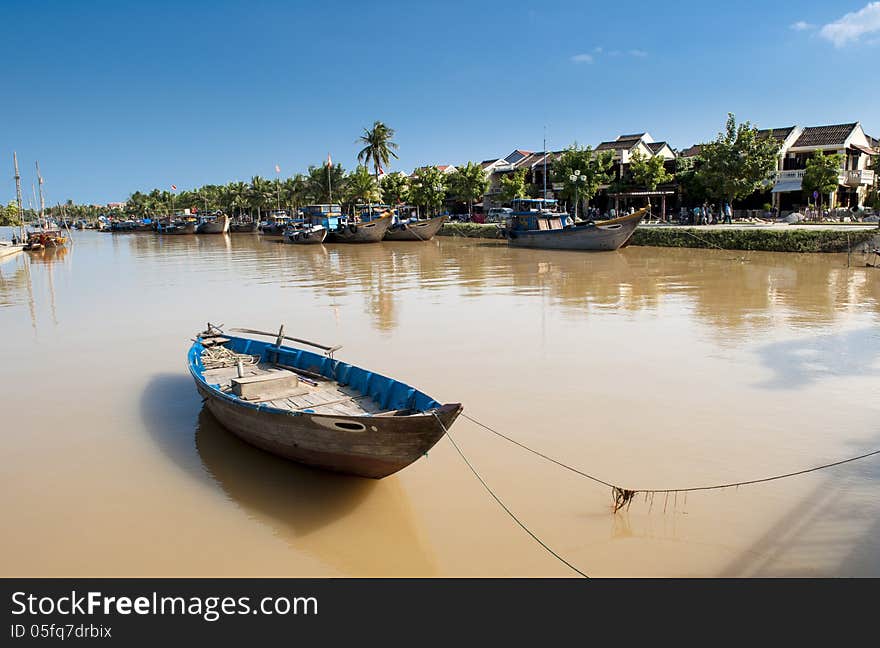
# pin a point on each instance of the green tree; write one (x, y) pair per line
(691, 189)
(595, 166)
(260, 194)
(395, 188)
(361, 187)
(737, 163)
(378, 147)
(428, 188)
(648, 172)
(469, 183)
(9, 214)
(323, 182)
(293, 191)
(822, 174)
(513, 185)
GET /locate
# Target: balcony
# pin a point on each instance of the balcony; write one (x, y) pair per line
(849, 178)
(858, 177)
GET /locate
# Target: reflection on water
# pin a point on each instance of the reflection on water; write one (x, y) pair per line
(652, 367)
(326, 515)
(731, 290)
(798, 362)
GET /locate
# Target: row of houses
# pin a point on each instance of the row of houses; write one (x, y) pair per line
(783, 190)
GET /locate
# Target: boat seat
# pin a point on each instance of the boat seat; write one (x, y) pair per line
(268, 386)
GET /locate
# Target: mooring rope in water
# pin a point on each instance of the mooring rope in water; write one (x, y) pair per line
(502, 504)
(623, 496)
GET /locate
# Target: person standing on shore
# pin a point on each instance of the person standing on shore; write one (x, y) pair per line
(728, 214)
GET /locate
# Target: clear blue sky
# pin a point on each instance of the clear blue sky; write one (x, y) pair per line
(116, 96)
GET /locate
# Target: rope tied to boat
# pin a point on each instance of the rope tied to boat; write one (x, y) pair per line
(502, 504)
(623, 496)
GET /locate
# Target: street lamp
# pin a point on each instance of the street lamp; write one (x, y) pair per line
(576, 178)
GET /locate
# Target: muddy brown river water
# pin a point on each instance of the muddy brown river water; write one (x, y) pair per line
(649, 367)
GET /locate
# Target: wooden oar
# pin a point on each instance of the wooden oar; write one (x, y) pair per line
(279, 336)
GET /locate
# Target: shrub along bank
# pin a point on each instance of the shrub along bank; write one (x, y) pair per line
(793, 240)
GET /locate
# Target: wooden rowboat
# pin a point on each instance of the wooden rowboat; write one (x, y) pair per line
(312, 408)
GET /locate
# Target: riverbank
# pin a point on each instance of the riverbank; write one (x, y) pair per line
(767, 238)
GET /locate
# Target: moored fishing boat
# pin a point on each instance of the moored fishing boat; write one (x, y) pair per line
(369, 227)
(218, 224)
(314, 409)
(177, 227)
(240, 226)
(534, 223)
(275, 225)
(414, 229)
(305, 233)
(47, 236)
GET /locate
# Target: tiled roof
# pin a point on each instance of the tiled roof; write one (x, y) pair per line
(656, 146)
(692, 151)
(634, 136)
(615, 145)
(778, 134)
(825, 135)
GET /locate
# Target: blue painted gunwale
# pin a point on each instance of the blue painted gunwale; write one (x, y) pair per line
(389, 393)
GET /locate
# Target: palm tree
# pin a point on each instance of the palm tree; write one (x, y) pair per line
(238, 195)
(260, 194)
(378, 146)
(293, 191)
(361, 187)
(317, 188)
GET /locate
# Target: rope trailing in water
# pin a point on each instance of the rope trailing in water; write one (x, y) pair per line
(623, 496)
(219, 357)
(503, 505)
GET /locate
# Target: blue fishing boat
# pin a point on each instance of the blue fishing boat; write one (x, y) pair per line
(312, 408)
(537, 223)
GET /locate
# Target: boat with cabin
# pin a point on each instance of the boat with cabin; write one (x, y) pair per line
(312, 408)
(537, 223)
(275, 224)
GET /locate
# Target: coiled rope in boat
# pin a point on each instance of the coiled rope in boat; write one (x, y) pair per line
(219, 357)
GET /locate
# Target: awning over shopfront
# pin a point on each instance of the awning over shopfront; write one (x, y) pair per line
(787, 185)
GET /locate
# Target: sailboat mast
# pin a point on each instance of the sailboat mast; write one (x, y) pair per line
(18, 196)
(42, 202)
